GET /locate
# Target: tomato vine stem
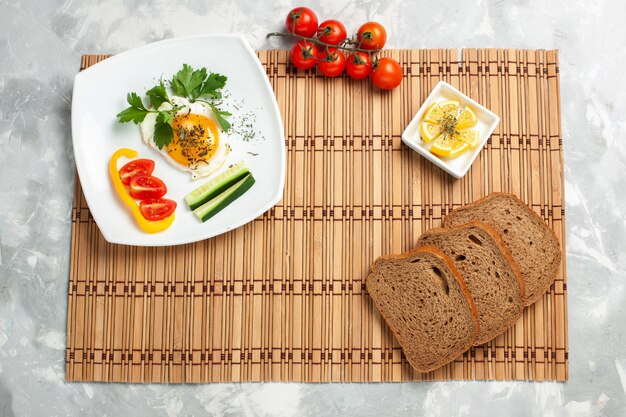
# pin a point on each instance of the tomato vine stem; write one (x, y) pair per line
(324, 44)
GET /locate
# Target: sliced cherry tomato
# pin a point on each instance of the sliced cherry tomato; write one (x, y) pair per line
(154, 209)
(331, 64)
(371, 35)
(358, 65)
(135, 168)
(304, 55)
(302, 21)
(146, 186)
(332, 32)
(387, 73)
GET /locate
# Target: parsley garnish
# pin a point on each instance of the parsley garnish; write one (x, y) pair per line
(158, 95)
(212, 84)
(163, 129)
(189, 83)
(136, 112)
(219, 115)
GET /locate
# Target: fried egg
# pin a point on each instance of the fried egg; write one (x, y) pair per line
(197, 146)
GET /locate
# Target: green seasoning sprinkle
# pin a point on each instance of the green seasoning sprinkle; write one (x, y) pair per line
(245, 127)
(448, 125)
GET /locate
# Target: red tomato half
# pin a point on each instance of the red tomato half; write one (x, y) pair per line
(331, 64)
(146, 186)
(304, 55)
(154, 209)
(136, 168)
(358, 65)
(332, 32)
(301, 21)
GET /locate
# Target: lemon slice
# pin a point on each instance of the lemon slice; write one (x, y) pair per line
(469, 136)
(451, 134)
(457, 148)
(441, 146)
(433, 114)
(450, 146)
(429, 131)
(436, 112)
(450, 107)
(467, 119)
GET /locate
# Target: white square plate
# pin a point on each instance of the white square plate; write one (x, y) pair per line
(100, 93)
(487, 123)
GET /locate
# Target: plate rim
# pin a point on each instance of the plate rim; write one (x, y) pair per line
(77, 88)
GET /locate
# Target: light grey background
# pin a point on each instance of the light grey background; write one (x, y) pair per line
(40, 47)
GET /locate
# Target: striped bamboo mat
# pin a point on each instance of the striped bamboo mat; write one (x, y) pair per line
(283, 297)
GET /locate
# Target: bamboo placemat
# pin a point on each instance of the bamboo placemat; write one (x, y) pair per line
(282, 298)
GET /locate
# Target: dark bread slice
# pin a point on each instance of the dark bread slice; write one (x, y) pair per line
(425, 302)
(489, 271)
(533, 244)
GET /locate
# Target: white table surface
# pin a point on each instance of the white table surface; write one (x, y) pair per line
(40, 47)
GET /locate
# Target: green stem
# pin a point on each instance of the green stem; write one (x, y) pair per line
(175, 108)
(224, 124)
(318, 42)
(207, 102)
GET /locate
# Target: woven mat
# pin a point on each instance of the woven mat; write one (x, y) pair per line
(282, 298)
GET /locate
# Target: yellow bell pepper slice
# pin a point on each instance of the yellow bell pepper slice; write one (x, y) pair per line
(145, 225)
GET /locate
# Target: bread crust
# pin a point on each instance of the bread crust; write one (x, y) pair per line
(528, 300)
(455, 273)
(507, 254)
(459, 278)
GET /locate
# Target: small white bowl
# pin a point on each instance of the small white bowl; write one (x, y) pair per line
(487, 123)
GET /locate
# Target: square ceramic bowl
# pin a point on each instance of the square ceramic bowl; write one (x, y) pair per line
(487, 123)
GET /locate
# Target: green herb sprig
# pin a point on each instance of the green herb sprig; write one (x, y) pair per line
(194, 85)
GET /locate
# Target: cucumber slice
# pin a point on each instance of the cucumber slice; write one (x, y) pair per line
(216, 186)
(217, 204)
